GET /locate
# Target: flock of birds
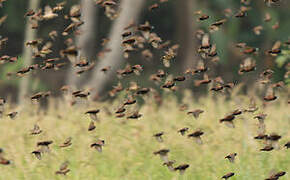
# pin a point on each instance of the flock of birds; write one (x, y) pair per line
(138, 37)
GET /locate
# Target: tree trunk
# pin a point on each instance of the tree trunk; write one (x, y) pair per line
(99, 80)
(85, 41)
(185, 33)
(30, 34)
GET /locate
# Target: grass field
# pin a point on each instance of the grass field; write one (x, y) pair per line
(129, 145)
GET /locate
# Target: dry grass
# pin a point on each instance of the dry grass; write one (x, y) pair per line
(129, 143)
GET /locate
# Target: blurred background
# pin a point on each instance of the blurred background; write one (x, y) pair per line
(173, 20)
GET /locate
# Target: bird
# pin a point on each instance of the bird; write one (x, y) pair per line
(231, 157)
(196, 113)
(66, 143)
(92, 126)
(181, 168)
(93, 114)
(44, 145)
(287, 145)
(169, 165)
(228, 175)
(63, 169)
(12, 115)
(158, 136)
(228, 120)
(182, 131)
(37, 153)
(36, 130)
(197, 136)
(4, 161)
(163, 154)
(276, 175)
(267, 148)
(98, 145)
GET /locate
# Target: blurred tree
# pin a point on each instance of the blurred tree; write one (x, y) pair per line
(30, 34)
(185, 33)
(86, 40)
(128, 9)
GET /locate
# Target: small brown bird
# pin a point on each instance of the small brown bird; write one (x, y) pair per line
(48, 13)
(4, 161)
(179, 78)
(126, 34)
(163, 154)
(81, 94)
(231, 157)
(267, 148)
(98, 145)
(249, 50)
(270, 94)
(106, 69)
(203, 17)
(120, 115)
(267, 17)
(197, 136)
(273, 139)
(66, 143)
(135, 115)
(169, 164)
(287, 145)
(168, 84)
(237, 112)
(36, 130)
(120, 110)
(217, 87)
(63, 169)
(30, 12)
(37, 153)
(205, 80)
(270, 2)
(12, 115)
(92, 126)
(200, 68)
(183, 107)
(158, 136)
(153, 6)
(142, 91)
(130, 101)
(196, 113)
(257, 29)
(228, 175)
(228, 120)
(248, 65)
(181, 168)
(261, 137)
(261, 117)
(218, 23)
(182, 131)
(275, 49)
(44, 145)
(38, 96)
(276, 176)
(252, 107)
(93, 114)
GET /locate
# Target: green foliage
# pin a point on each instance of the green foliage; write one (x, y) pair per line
(11, 68)
(35, 83)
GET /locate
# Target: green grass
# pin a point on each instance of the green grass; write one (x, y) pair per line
(128, 153)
